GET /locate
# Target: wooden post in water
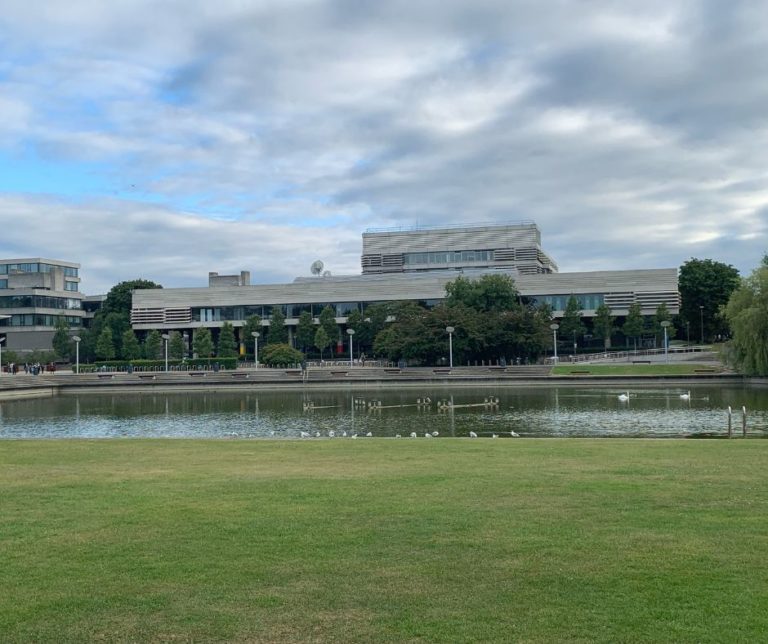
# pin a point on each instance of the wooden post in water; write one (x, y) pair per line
(730, 429)
(743, 422)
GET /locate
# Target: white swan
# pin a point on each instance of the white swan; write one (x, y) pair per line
(624, 397)
(304, 434)
(685, 396)
(514, 434)
(427, 435)
(472, 435)
(331, 433)
(435, 434)
(369, 434)
(413, 434)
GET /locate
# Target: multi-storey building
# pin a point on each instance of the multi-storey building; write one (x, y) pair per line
(35, 293)
(407, 250)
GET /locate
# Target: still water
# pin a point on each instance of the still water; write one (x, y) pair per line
(540, 412)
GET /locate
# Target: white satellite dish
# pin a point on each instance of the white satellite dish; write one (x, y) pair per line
(317, 267)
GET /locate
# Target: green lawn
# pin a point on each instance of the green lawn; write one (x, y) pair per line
(374, 540)
(654, 369)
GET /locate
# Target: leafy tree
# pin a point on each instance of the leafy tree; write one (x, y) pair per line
(62, 343)
(705, 288)
(252, 323)
(488, 293)
(202, 343)
(227, 347)
(105, 347)
(571, 325)
(278, 332)
(662, 315)
(281, 354)
(130, 350)
(633, 323)
(153, 345)
(327, 320)
(321, 340)
(602, 324)
(119, 298)
(747, 314)
(176, 345)
(305, 330)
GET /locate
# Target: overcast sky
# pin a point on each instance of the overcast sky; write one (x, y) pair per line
(163, 140)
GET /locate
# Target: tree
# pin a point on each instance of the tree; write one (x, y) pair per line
(252, 323)
(488, 293)
(278, 332)
(571, 325)
(662, 315)
(602, 324)
(202, 343)
(227, 347)
(747, 314)
(130, 349)
(705, 288)
(62, 343)
(321, 340)
(327, 320)
(176, 345)
(633, 323)
(305, 331)
(105, 347)
(153, 345)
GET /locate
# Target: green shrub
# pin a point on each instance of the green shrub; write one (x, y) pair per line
(280, 354)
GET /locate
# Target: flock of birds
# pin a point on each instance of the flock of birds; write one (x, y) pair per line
(434, 434)
(625, 396)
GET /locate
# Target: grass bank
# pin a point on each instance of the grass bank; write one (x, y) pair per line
(653, 369)
(447, 540)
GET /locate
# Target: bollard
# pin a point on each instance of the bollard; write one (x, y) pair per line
(743, 422)
(730, 429)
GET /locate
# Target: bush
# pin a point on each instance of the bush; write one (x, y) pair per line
(280, 354)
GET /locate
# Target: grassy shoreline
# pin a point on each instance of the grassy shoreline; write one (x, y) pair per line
(381, 540)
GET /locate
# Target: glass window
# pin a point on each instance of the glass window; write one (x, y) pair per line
(70, 286)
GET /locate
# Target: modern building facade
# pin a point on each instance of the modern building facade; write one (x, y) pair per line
(493, 246)
(35, 293)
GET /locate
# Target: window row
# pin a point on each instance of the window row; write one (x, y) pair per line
(36, 319)
(587, 301)
(448, 257)
(36, 267)
(38, 302)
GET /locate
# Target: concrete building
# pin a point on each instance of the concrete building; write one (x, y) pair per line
(450, 248)
(34, 294)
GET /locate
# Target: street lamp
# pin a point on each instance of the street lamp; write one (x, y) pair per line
(255, 335)
(450, 330)
(554, 328)
(1, 355)
(664, 326)
(76, 339)
(350, 333)
(166, 337)
(701, 319)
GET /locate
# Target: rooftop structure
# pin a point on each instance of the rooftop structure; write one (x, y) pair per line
(450, 248)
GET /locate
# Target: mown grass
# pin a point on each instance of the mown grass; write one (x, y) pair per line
(654, 369)
(449, 540)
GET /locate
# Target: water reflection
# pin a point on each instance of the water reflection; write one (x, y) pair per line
(556, 411)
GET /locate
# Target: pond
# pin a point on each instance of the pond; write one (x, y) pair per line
(665, 411)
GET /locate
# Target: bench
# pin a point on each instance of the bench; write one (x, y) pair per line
(239, 374)
(147, 376)
(641, 362)
(392, 370)
(442, 370)
(293, 372)
(197, 373)
(339, 373)
(105, 375)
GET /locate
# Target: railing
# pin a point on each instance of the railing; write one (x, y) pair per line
(619, 355)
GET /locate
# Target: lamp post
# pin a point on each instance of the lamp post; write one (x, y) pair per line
(185, 337)
(1, 355)
(664, 326)
(701, 320)
(76, 339)
(255, 335)
(350, 333)
(166, 337)
(554, 328)
(450, 330)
